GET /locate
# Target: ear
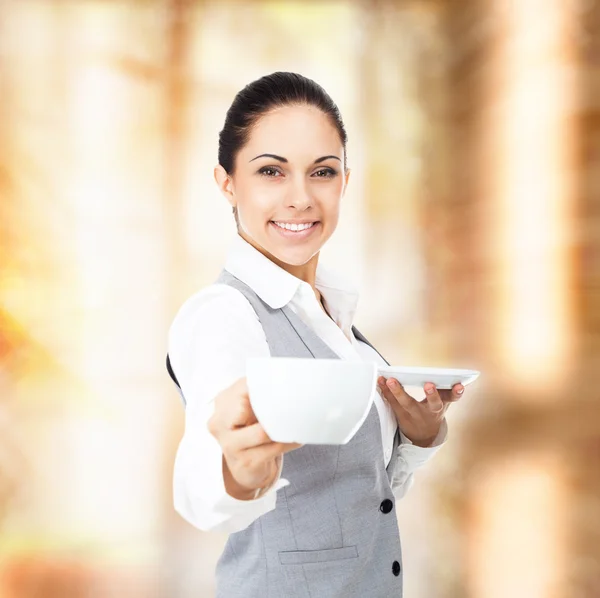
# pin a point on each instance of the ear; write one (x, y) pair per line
(346, 181)
(225, 184)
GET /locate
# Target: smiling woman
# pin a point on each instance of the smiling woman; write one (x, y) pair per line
(327, 532)
(282, 167)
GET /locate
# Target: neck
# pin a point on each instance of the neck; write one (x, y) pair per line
(306, 272)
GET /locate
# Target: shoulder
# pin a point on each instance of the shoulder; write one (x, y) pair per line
(210, 338)
(214, 302)
(217, 318)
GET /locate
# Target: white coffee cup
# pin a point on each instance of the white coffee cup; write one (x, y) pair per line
(310, 401)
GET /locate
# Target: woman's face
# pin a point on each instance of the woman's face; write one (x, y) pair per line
(290, 174)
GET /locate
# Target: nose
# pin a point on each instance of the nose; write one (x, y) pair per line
(299, 196)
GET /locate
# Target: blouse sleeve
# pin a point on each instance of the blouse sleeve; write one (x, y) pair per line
(211, 337)
(412, 457)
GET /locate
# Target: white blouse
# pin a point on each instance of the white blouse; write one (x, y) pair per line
(210, 338)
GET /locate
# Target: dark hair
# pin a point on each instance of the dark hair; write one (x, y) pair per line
(265, 94)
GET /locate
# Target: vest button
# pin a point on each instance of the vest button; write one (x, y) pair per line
(396, 568)
(386, 506)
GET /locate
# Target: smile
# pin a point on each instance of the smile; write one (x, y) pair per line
(294, 227)
(295, 231)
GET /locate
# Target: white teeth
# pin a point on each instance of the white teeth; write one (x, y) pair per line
(294, 227)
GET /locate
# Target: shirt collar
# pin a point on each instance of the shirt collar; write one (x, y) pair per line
(277, 287)
(271, 283)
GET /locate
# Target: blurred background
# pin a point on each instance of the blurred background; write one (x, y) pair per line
(471, 226)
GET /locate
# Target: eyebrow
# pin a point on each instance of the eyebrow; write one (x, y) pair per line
(275, 157)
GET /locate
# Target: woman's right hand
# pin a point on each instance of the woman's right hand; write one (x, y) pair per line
(251, 460)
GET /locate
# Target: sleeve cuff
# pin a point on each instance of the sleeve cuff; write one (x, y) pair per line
(414, 455)
(279, 483)
(228, 503)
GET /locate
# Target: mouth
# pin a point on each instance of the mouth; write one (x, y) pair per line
(295, 230)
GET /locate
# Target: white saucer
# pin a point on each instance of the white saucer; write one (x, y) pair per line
(443, 378)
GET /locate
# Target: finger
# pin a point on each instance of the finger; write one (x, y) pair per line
(387, 393)
(240, 414)
(434, 401)
(455, 393)
(398, 395)
(286, 447)
(254, 436)
(250, 415)
(233, 404)
(240, 387)
(268, 451)
(246, 437)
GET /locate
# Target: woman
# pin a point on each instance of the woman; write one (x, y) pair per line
(319, 522)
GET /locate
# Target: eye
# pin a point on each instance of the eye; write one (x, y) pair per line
(325, 173)
(269, 171)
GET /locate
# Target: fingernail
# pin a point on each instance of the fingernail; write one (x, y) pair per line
(392, 383)
(460, 391)
(429, 391)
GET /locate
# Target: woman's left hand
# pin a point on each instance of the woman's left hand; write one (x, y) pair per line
(419, 421)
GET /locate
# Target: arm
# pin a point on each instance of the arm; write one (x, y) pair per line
(210, 339)
(423, 421)
(410, 458)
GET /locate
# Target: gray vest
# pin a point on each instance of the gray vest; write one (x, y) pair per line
(334, 532)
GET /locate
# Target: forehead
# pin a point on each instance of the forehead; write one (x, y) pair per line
(291, 130)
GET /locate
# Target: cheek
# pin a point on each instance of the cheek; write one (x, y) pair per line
(257, 203)
(330, 200)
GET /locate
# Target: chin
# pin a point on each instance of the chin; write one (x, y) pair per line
(290, 254)
(295, 257)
